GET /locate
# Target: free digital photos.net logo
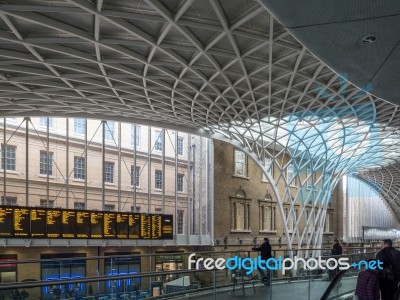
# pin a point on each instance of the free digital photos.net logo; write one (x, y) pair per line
(283, 264)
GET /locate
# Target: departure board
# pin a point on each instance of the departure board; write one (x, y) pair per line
(122, 225)
(156, 226)
(68, 227)
(134, 226)
(145, 226)
(83, 224)
(6, 222)
(53, 223)
(34, 222)
(22, 222)
(110, 225)
(96, 225)
(167, 227)
(38, 223)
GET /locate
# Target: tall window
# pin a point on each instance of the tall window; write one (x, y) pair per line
(290, 176)
(158, 180)
(79, 205)
(180, 146)
(290, 218)
(10, 201)
(180, 183)
(240, 163)
(159, 141)
(43, 163)
(43, 121)
(135, 176)
(138, 133)
(269, 166)
(310, 177)
(108, 172)
(328, 222)
(109, 207)
(109, 130)
(180, 221)
(46, 203)
(79, 167)
(10, 161)
(79, 125)
(311, 216)
(267, 217)
(240, 215)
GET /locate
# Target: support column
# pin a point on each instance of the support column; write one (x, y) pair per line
(48, 162)
(86, 162)
(27, 120)
(163, 173)
(3, 154)
(176, 184)
(103, 158)
(189, 192)
(149, 148)
(134, 166)
(67, 164)
(119, 166)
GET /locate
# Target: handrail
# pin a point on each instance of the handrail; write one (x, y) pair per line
(165, 254)
(31, 284)
(333, 283)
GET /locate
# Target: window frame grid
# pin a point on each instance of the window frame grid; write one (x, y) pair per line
(9, 158)
(43, 165)
(108, 172)
(79, 170)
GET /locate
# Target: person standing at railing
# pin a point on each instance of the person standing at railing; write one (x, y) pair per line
(336, 250)
(390, 275)
(265, 251)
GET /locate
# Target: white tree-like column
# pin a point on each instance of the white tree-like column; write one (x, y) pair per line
(311, 152)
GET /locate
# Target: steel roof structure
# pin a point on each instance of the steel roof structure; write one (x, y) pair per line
(223, 69)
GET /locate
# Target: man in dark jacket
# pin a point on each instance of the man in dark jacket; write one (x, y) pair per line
(389, 256)
(336, 249)
(265, 250)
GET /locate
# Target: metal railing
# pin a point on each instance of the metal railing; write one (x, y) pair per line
(201, 284)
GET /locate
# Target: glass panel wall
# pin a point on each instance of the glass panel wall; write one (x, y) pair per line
(97, 165)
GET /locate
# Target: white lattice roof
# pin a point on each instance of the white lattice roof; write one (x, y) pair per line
(226, 67)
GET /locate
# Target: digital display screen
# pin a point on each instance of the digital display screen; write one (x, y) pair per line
(134, 226)
(83, 224)
(122, 225)
(167, 227)
(145, 226)
(53, 221)
(32, 222)
(38, 223)
(156, 226)
(110, 225)
(96, 225)
(6, 222)
(22, 222)
(68, 227)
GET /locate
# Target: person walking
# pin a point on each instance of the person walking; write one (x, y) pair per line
(390, 258)
(265, 251)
